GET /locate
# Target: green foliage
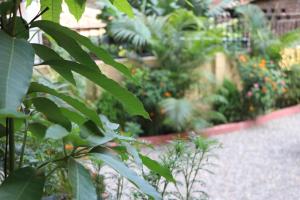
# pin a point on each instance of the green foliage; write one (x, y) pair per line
(25, 183)
(46, 127)
(16, 57)
(188, 162)
(186, 41)
(232, 108)
(263, 83)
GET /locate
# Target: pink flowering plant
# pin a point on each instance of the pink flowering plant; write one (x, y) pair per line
(263, 83)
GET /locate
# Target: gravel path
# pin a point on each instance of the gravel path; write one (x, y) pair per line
(261, 163)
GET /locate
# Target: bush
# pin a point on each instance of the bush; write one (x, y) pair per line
(232, 108)
(263, 83)
(151, 86)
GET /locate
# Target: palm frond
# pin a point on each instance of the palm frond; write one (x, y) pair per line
(178, 112)
(132, 31)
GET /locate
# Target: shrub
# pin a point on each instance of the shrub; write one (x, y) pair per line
(263, 83)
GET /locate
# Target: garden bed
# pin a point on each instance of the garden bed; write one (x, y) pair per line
(226, 128)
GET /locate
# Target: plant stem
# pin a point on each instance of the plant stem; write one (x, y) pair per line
(14, 21)
(11, 146)
(23, 143)
(6, 148)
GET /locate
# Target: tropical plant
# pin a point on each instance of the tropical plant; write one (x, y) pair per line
(232, 108)
(29, 107)
(188, 162)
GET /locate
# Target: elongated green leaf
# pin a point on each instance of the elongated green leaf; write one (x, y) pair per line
(16, 62)
(91, 133)
(98, 51)
(75, 103)
(68, 43)
(156, 167)
(73, 116)
(38, 129)
(56, 132)
(81, 182)
(121, 168)
(135, 154)
(54, 11)
(124, 7)
(129, 101)
(46, 54)
(51, 111)
(23, 184)
(76, 7)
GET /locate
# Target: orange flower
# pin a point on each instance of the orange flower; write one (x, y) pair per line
(133, 71)
(69, 147)
(284, 90)
(243, 58)
(267, 79)
(274, 85)
(262, 64)
(167, 94)
(264, 90)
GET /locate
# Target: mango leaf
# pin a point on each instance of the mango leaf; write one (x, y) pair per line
(51, 111)
(16, 62)
(68, 43)
(135, 154)
(76, 7)
(46, 54)
(73, 116)
(156, 167)
(130, 102)
(124, 7)
(81, 182)
(23, 184)
(5, 7)
(37, 129)
(123, 170)
(56, 132)
(54, 11)
(98, 51)
(91, 133)
(75, 103)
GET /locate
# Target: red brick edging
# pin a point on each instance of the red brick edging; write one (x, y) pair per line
(226, 128)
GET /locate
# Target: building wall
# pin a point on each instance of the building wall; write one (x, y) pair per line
(279, 6)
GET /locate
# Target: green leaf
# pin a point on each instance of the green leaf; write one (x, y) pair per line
(37, 129)
(16, 62)
(46, 54)
(28, 2)
(124, 7)
(51, 111)
(23, 184)
(156, 167)
(73, 116)
(75, 103)
(98, 51)
(5, 7)
(54, 11)
(81, 182)
(76, 7)
(56, 132)
(4, 113)
(130, 102)
(67, 42)
(123, 170)
(91, 133)
(135, 154)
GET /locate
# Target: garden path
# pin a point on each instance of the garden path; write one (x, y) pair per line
(261, 163)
